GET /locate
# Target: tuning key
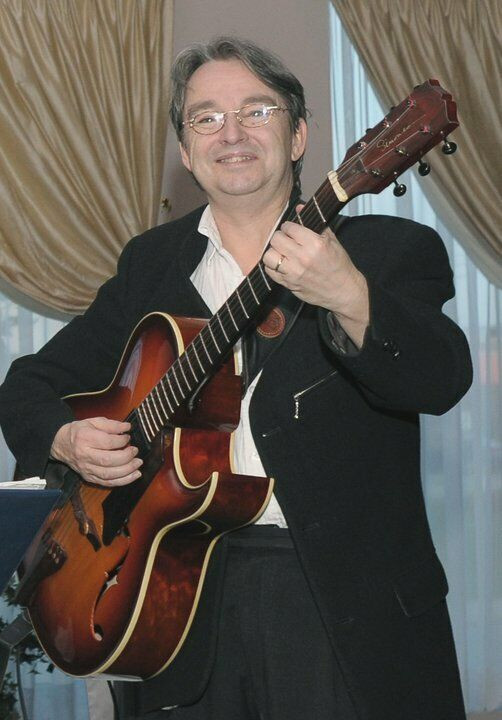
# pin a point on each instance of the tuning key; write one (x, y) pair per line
(400, 189)
(423, 168)
(449, 147)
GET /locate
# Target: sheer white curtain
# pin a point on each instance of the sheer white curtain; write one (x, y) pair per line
(47, 695)
(462, 450)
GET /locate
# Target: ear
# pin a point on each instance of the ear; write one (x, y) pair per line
(299, 140)
(185, 158)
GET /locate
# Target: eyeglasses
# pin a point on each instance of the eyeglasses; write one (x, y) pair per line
(251, 115)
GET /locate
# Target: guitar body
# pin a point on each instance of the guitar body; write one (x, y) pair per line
(124, 605)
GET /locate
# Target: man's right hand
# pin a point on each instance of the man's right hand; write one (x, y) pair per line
(98, 450)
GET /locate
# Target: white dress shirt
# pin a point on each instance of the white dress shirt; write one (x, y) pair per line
(215, 278)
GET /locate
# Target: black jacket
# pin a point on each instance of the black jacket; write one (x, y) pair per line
(339, 432)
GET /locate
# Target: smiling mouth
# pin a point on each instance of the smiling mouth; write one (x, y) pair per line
(234, 159)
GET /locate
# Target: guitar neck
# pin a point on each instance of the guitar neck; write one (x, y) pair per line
(211, 346)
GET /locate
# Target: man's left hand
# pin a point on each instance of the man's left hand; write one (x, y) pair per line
(319, 271)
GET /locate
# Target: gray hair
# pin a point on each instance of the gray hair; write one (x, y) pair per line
(262, 63)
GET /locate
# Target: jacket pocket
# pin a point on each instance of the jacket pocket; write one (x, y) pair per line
(421, 587)
(315, 385)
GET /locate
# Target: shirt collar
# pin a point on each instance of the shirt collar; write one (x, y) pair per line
(208, 228)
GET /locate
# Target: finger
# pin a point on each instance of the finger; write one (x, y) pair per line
(273, 259)
(117, 482)
(112, 473)
(115, 427)
(297, 234)
(105, 441)
(112, 458)
(87, 436)
(284, 245)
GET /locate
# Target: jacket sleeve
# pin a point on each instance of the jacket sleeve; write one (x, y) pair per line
(414, 357)
(81, 357)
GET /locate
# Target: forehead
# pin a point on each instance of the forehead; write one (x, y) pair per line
(225, 85)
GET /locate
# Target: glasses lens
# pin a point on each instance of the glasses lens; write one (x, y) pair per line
(255, 114)
(206, 123)
(252, 115)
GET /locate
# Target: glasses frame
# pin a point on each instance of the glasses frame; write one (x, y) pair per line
(222, 117)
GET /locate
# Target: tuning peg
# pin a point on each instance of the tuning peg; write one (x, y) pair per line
(449, 147)
(400, 189)
(423, 168)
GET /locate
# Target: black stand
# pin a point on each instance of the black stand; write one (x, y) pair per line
(22, 514)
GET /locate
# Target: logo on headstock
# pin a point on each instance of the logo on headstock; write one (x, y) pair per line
(392, 140)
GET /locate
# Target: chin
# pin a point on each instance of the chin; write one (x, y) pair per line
(239, 188)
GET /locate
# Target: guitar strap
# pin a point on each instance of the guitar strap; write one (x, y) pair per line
(272, 325)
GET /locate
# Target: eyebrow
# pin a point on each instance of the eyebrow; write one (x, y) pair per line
(212, 104)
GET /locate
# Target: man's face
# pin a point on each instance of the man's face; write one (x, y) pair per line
(239, 161)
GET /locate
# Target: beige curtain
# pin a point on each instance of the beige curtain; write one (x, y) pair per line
(404, 42)
(83, 121)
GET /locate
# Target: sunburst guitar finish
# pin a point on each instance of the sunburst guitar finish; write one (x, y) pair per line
(124, 605)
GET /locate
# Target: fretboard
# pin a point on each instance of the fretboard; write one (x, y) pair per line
(213, 343)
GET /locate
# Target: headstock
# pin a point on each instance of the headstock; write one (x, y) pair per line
(407, 132)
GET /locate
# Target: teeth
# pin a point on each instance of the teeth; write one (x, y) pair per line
(235, 159)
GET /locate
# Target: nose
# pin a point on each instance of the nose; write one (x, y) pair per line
(232, 131)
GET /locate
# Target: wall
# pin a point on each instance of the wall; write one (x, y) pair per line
(298, 31)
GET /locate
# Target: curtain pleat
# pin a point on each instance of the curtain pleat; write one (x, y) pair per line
(83, 122)
(461, 450)
(404, 42)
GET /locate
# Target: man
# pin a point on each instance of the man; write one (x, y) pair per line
(333, 606)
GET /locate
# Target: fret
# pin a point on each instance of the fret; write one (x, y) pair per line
(260, 285)
(212, 336)
(173, 368)
(147, 421)
(142, 422)
(156, 390)
(190, 364)
(319, 210)
(183, 373)
(197, 356)
(161, 383)
(242, 304)
(264, 275)
(148, 401)
(152, 402)
(221, 324)
(231, 316)
(252, 290)
(327, 200)
(239, 314)
(299, 218)
(205, 346)
(172, 390)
